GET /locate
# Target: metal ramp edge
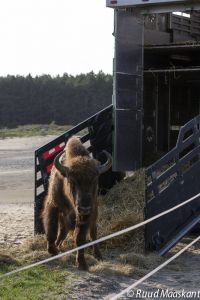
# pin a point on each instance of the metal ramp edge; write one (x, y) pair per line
(171, 180)
(180, 234)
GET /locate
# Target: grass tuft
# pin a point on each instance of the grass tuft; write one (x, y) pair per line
(33, 130)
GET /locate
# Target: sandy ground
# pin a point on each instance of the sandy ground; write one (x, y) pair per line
(17, 187)
(16, 224)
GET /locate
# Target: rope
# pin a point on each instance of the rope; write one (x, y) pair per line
(128, 289)
(115, 234)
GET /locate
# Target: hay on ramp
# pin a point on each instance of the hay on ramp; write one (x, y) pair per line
(122, 207)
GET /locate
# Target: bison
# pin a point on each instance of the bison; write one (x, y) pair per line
(71, 202)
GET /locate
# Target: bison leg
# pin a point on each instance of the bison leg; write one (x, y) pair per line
(63, 231)
(50, 221)
(93, 235)
(80, 239)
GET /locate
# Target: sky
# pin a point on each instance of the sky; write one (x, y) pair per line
(55, 37)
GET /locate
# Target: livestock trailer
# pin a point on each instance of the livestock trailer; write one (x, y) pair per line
(156, 76)
(155, 113)
(156, 107)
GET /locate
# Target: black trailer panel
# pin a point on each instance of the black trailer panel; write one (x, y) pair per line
(128, 90)
(170, 181)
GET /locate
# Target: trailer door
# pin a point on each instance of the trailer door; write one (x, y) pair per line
(128, 90)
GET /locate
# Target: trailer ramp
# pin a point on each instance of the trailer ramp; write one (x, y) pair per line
(171, 180)
(96, 134)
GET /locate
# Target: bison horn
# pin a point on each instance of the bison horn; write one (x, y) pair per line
(106, 166)
(58, 165)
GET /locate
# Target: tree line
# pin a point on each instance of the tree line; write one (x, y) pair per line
(65, 100)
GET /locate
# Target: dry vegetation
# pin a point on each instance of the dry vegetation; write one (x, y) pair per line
(122, 207)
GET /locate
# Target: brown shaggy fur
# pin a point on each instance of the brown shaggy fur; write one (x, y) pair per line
(71, 202)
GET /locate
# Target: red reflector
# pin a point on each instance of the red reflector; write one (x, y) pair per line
(49, 167)
(53, 151)
(113, 2)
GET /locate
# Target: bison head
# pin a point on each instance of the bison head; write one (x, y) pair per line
(82, 174)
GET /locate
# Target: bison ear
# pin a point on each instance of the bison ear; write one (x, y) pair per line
(102, 168)
(65, 171)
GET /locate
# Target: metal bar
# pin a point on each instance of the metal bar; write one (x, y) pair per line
(155, 6)
(172, 70)
(189, 156)
(85, 138)
(38, 183)
(123, 3)
(190, 46)
(156, 116)
(37, 167)
(162, 161)
(169, 111)
(35, 193)
(172, 170)
(193, 5)
(72, 131)
(176, 238)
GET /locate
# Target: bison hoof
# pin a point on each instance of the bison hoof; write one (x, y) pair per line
(53, 250)
(82, 266)
(98, 255)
